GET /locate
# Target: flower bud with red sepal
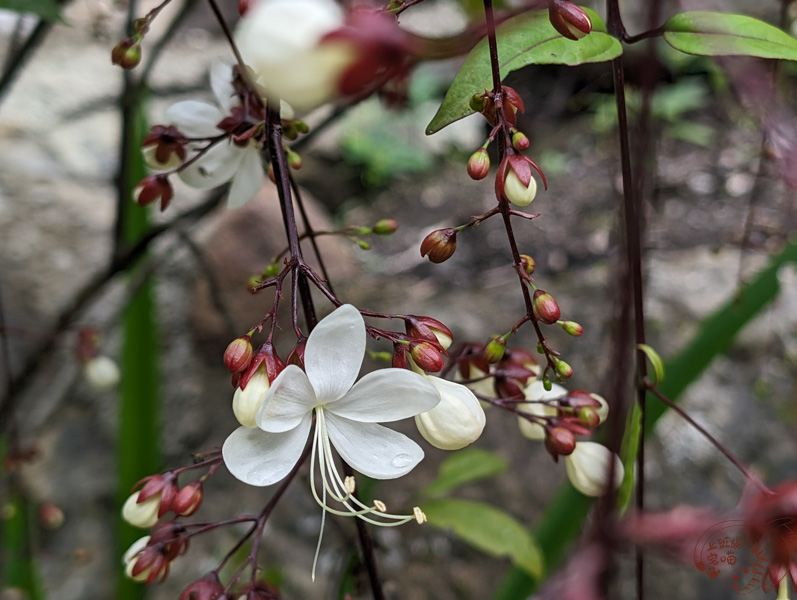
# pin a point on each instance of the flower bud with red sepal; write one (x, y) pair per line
(572, 328)
(427, 356)
(439, 245)
(528, 264)
(515, 181)
(520, 141)
(546, 310)
(207, 588)
(494, 351)
(429, 329)
(188, 499)
(559, 441)
(569, 19)
(238, 354)
(153, 188)
(164, 147)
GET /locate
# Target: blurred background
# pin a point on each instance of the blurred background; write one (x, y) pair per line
(716, 214)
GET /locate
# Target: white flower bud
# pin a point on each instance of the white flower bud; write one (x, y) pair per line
(603, 411)
(247, 402)
(144, 514)
(458, 420)
(101, 373)
(535, 391)
(588, 468)
(516, 192)
(131, 556)
(280, 40)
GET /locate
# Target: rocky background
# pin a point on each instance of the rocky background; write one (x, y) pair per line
(58, 137)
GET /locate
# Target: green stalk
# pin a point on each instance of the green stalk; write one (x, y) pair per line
(138, 451)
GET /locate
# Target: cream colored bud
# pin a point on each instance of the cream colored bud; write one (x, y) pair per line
(588, 468)
(536, 391)
(101, 373)
(516, 192)
(141, 514)
(458, 420)
(131, 556)
(603, 410)
(247, 402)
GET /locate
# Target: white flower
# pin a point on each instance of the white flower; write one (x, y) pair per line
(454, 423)
(536, 392)
(224, 160)
(603, 409)
(281, 41)
(485, 387)
(144, 514)
(346, 417)
(588, 468)
(518, 193)
(101, 372)
(246, 403)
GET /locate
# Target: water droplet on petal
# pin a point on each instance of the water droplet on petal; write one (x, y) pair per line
(401, 460)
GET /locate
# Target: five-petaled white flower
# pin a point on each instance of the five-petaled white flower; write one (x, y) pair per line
(346, 417)
(225, 160)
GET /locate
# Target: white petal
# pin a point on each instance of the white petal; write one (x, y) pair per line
(536, 391)
(260, 458)
(194, 119)
(588, 467)
(288, 401)
(371, 449)
(248, 180)
(216, 167)
(534, 430)
(221, 84)
(335, 352)
(387, 395)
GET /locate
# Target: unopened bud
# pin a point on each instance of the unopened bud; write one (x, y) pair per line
(426, 356)
(294, 160)
(439, 245)
(545, 308)
(564, 369)
(494, 351)
(244, 6)
(478, 102)
(572, 328)
(141, 514)
(427, 328)
(520, 141)
(385, 227)
(528, 263)
(207, 588)
(363, 245)
(479, 164)
(272, 270)
(126, 54)
(238, 354)
(590, 416)
(51, 516)
(560, 441)
(101, 372)
(153, 188)
(517, 192)
(546, 382)
(569, 19)
(188, 499)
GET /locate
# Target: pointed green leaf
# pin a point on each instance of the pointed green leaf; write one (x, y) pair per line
(719, 34)
(464, 467)
(489, 530)
(628, 454)
(49, 10)
(528, 39)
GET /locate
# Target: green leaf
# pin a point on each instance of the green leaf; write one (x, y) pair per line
(488, 529)
(464, 467)
(561, 522)
(719, 34)
(49, 10)
(528, 39)
(655, 361)
(628, 454)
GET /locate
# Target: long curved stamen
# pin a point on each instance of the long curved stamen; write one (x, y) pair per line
(337, 487)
